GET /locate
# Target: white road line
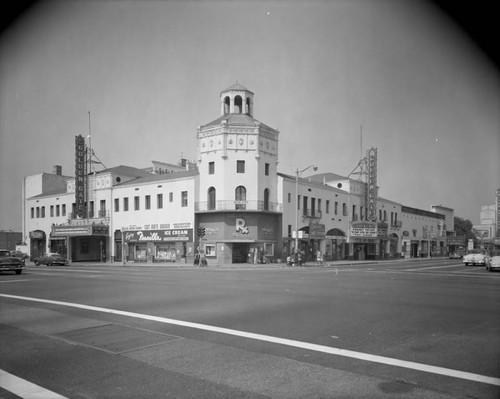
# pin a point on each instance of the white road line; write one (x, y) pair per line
(282, 341)
(17, 281)
(25, 389)
(432, 267)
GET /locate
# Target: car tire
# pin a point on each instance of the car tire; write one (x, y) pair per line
(37, 263)
(19, 271)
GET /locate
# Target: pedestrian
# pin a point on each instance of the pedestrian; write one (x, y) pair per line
(197, 257)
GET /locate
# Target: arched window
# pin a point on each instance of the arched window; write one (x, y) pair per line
(211, 198)
(226, 105)
(238, 105)
(249, 111)
(266, 199)
(240, 197)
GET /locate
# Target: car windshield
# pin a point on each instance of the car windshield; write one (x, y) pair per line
(4, 253)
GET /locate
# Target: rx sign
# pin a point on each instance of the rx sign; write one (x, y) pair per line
(241, 226)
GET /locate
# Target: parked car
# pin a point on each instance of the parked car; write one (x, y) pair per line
(494, 264)
(455, 255)
(51, 258)
(20, 255)
(475, 258)
(8, 262)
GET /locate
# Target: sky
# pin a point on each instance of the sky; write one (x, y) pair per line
(334, 77)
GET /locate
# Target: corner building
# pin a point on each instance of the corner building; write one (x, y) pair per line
(238, 204)
(235, 195)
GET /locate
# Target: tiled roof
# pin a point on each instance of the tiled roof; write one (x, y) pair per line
(126, 170)
(237, 120)
(236, 86)
(159, 177)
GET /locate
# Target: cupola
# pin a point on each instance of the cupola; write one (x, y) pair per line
(236, 99)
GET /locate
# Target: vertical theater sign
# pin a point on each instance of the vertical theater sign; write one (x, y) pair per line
(80, 176)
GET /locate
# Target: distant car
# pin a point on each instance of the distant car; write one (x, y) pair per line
(494, 263)
(475, 258)
(455, 255)
(8, 262)
(51, 258)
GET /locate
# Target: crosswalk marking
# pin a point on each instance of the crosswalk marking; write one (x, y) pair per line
(25, 389)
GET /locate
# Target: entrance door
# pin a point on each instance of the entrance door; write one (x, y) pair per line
(240, 252)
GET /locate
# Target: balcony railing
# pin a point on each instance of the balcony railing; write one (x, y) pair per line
(309, 213)
(240, 206)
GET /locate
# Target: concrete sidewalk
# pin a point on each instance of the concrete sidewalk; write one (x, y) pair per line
(180, 265)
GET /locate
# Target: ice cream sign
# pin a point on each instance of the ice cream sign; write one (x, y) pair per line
(158, 235)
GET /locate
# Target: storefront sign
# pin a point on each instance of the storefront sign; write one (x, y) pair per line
(317, 231)
(159, 235)
(364, 230)
(80, 230)
(37, 235)
(71, 230)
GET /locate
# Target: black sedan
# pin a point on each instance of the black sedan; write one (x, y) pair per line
(51, 258)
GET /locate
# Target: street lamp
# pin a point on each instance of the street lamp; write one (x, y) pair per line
(297, 174)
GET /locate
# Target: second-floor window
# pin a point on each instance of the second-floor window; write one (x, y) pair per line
(211, 168)
(148, 202)
(125, 204)
(184, 198)
(240, 166)
(136, 203)
(117, 205)
(159, 201)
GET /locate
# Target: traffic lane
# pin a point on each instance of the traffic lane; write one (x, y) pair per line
(385, 378)
(388, 315)
(391, 312)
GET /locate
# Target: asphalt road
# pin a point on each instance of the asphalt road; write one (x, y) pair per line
(422, 329)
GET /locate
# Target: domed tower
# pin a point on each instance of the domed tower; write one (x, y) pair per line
(237, 162)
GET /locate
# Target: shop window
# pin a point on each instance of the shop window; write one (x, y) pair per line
(84, 246)
(268, 249)
(159, 201)
(166, 252)
(240, 166)
(210, 250)
(184, 198)
(211, 168)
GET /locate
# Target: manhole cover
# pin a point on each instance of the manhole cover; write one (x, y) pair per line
(115, 339)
